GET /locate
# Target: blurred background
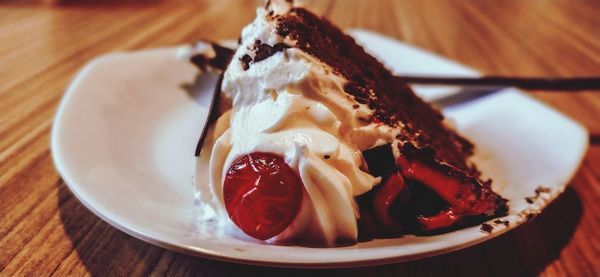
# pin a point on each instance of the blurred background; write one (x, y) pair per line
(512, 37)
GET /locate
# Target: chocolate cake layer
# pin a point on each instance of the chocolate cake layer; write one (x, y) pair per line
(371, 83)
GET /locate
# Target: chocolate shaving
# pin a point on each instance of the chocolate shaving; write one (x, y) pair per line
(246, 60)
(264, 51)
(219, 61)
(261, 52)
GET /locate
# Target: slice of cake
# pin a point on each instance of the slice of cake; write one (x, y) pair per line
(318, 142)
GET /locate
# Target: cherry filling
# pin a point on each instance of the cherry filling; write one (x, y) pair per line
(262, 194)
(385, 197)
(430, 184)
(442, 220)
(464, 198)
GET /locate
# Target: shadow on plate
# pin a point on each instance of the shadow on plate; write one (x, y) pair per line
(526, 250)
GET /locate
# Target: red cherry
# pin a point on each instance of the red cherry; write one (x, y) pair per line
(383, 199)
(448, 187)
(444, 219)
(262, 194)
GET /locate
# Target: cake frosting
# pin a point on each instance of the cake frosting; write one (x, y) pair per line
(293, 105)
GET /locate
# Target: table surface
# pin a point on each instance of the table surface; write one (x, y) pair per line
(45, 230)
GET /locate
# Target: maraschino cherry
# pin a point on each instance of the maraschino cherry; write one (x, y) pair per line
(262, 194)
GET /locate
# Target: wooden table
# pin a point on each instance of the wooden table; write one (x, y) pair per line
(44, 230)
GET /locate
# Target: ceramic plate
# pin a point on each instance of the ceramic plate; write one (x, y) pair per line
(124, 137)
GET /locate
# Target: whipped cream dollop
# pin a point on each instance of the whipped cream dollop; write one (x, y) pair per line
(293, 105)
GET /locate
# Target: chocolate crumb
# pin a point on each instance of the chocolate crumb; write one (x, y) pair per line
(326, 157)
(355, 106)
(486, 228)
(542, 189)
(539, 190)
(503, 222)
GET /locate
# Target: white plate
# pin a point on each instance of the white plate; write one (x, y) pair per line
(124, 137)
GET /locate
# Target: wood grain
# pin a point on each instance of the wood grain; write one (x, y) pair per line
(44, 230)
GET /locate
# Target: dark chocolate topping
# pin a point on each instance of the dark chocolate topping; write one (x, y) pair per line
(371, 83)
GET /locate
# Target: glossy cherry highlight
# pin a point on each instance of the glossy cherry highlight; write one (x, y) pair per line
(262, 194)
